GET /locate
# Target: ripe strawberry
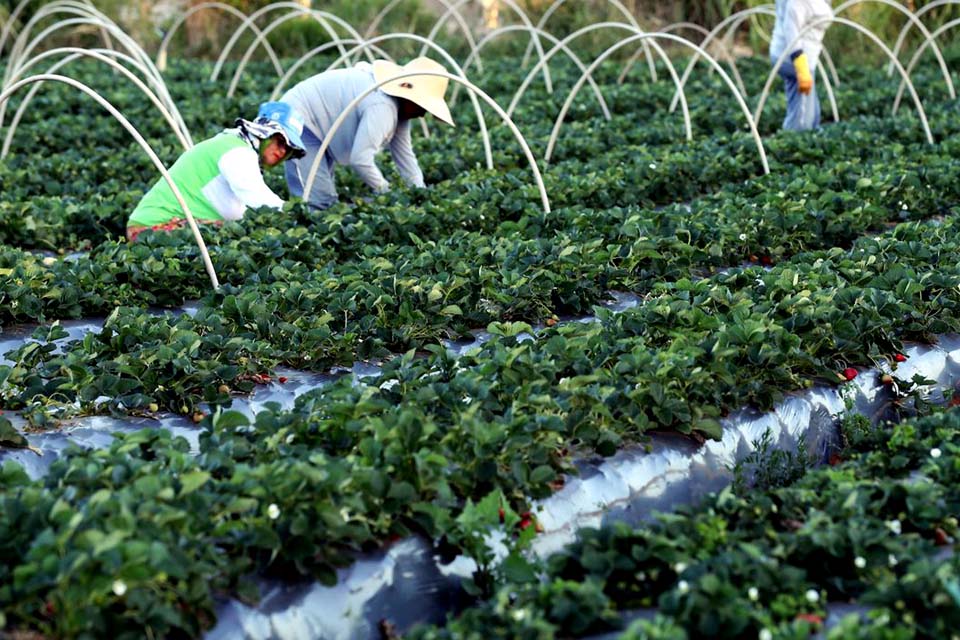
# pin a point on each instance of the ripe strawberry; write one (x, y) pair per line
(766, 261)
(940, 537)
(849, 373)
(810, 617)
(886, 379)
(282, 379)
(502, 515)
(525, 522)
(900, 357)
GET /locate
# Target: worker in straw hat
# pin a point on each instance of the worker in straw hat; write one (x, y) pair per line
(381, 119)
(221, 177)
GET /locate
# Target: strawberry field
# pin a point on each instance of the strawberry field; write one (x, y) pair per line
(442, 369)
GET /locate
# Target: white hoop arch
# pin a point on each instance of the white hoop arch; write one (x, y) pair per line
(731, 29)
(145, 64)
(556, 4)
(656, 36)
(261, 37)
(464, 27)
(914, 20)
(205, 255)
(689, 26)
(916, 58)
(496, 33)
(288, 74)
(545, 201)
(731, 24)
(573, 36)
(912, 17)
(901, 38)
(870, 35)
(86, 15)
(524, 18)
(161, 59)
(484, 134)
(319, 16)
(12, 18)
(74, 53)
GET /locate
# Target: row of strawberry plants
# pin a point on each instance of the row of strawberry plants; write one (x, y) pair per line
(166, 270)
(64, 188)
(763, 561)
(299, 491)
(312, 319)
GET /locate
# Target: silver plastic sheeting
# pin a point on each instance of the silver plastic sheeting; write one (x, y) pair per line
(13, 339)
(402, 585)
(407, 583)
(632, 485)
(93, 432)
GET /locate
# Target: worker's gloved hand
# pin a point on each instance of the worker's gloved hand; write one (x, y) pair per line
(804, 78)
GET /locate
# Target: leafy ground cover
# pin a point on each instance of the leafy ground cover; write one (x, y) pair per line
(764, 561)
(754, 288)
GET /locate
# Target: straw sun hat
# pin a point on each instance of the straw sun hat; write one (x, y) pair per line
(424, 91)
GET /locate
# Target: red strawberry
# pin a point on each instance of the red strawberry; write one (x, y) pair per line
(525, 522)
(900, 357)
(502, 515)
(810, 617)
(886, 379)
(849, 373)
(282, 379)
(940, 537)
(766, 261)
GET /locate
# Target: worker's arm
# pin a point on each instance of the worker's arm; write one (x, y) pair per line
(240, 167)
(401, 148)
(377, 124)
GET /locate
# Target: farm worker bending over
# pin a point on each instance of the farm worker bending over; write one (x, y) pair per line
(220, 178)
(797, 71)
(380, 119)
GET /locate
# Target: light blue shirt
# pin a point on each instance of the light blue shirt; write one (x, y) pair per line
(373, 125)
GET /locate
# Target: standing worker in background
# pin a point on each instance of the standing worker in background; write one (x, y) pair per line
(222, 177)
(382, 118)
(797, 71)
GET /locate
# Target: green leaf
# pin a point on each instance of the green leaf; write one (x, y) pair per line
(10, 437)
(192, 481)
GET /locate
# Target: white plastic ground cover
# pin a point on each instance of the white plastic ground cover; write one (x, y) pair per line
(407, 583)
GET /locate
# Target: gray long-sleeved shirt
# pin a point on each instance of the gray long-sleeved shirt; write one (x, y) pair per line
(373, 125)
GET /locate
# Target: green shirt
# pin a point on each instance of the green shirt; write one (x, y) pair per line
(218, 178)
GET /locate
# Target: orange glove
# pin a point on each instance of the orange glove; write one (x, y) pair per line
(804, 78)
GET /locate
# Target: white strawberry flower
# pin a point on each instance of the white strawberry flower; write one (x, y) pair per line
(119, 588)
(895, 526)
(753, 593)
(860, 562)
(765, 634)
(813, 596)
(273, 511)
(683, 587)
(935, 453)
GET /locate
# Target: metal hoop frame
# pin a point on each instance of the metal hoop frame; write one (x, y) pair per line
(205, 255)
